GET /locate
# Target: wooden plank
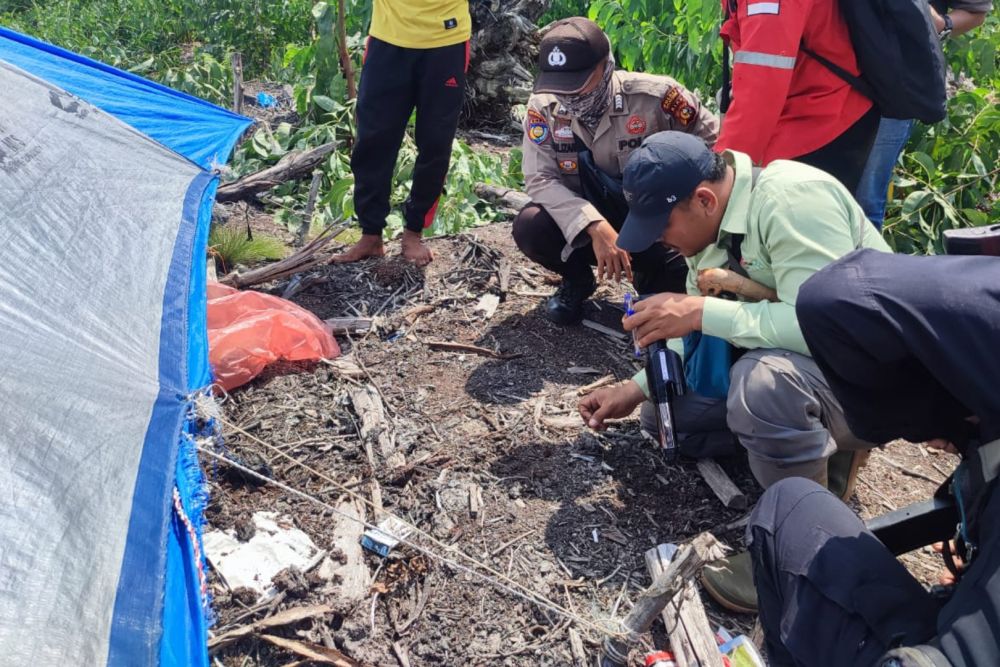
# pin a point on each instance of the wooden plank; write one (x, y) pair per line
(686, 564)
(352, 570)
(721, 484)
(691, 639)
(375, 427)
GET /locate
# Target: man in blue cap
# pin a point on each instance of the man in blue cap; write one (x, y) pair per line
(776, 226)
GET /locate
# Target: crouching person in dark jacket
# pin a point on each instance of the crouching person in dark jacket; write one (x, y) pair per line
(909, 348)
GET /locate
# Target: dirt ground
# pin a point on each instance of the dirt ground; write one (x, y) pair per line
(565, 512)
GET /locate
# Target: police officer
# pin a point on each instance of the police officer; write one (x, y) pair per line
(415, 58)
(585, 117)
(786, 104)
(908, 345)
(779, 225)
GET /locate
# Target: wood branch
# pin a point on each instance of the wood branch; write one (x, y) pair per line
(687, 563)
(346, 66)
(375, 427)
(286, 617)
(691, 638)
(600, 328)
(302, 260)
(351, 570)
(313, 652)
(300, 236)
(505, 196)
(596, 384)
(237, 60)
(503, 277)
(716, 282)
(292, 166)
(342, 326)
(576, 647)
(448, 346)
(720, 483)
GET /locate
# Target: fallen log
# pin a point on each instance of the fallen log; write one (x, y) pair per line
(691, 639)
(303, 260)
(291, 167)
(686, 564)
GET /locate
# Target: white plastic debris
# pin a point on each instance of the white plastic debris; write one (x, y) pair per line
(276, 545)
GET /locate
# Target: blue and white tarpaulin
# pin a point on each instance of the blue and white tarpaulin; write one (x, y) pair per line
(105, 201)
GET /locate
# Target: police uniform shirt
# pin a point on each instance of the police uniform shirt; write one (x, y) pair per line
(421, 24)
(641, 105)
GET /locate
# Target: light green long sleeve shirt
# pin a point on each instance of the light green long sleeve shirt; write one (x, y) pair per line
(795, 220)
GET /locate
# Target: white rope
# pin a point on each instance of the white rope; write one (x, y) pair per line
(512, 587)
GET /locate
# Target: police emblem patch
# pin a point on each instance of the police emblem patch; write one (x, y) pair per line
(635, 125)
(563, 132)
(685, 115)
(538, 129)
(568, 166)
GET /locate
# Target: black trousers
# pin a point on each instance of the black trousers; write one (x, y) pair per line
(394, 82)
(845, 157)
(909, 345)
(829, 593)
(658, 269)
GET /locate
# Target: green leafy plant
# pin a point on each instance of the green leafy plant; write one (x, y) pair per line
(231, 245)
(948, 175)
(678, 38)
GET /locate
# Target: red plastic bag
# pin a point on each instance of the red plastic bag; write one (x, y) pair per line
(249, 330)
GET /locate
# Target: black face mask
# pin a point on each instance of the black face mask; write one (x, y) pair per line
(590, 107)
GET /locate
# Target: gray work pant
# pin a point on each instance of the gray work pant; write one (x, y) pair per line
(781, 410)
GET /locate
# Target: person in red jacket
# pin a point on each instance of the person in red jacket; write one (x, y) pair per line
(786, 104)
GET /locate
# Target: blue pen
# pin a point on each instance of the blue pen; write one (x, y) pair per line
(629, 311)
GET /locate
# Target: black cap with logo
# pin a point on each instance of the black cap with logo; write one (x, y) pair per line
(568, 54)
(664, 170)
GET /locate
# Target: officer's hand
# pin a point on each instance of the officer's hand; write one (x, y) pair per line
(664, 316)
(610, 403)
(613, 263)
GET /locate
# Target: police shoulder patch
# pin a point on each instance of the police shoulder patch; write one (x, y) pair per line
(538, 129)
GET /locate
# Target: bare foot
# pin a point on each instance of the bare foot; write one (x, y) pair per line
(414, 249)
(370, 245)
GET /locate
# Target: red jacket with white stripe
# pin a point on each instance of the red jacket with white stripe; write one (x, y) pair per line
(785, 103)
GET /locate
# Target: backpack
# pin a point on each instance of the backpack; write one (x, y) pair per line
(899, 55)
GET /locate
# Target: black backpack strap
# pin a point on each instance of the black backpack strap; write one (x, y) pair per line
(855, 82)
(735, 249)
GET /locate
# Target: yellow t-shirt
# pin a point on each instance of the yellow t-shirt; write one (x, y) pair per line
(421, 24)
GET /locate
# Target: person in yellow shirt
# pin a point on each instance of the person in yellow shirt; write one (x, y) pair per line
(416, 56)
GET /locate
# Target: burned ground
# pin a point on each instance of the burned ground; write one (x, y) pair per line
(564, 511)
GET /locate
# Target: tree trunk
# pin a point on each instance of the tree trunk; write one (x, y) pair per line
(502, 59)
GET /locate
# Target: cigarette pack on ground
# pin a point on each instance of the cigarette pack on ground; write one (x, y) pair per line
(386, 536)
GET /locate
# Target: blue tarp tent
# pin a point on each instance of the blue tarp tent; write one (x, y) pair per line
(106, 188)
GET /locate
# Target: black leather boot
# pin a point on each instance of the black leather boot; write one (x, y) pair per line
(566, 305)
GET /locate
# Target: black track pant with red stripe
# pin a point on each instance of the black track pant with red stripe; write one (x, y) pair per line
(394, 81)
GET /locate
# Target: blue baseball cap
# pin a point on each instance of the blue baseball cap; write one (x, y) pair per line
(664, 170)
